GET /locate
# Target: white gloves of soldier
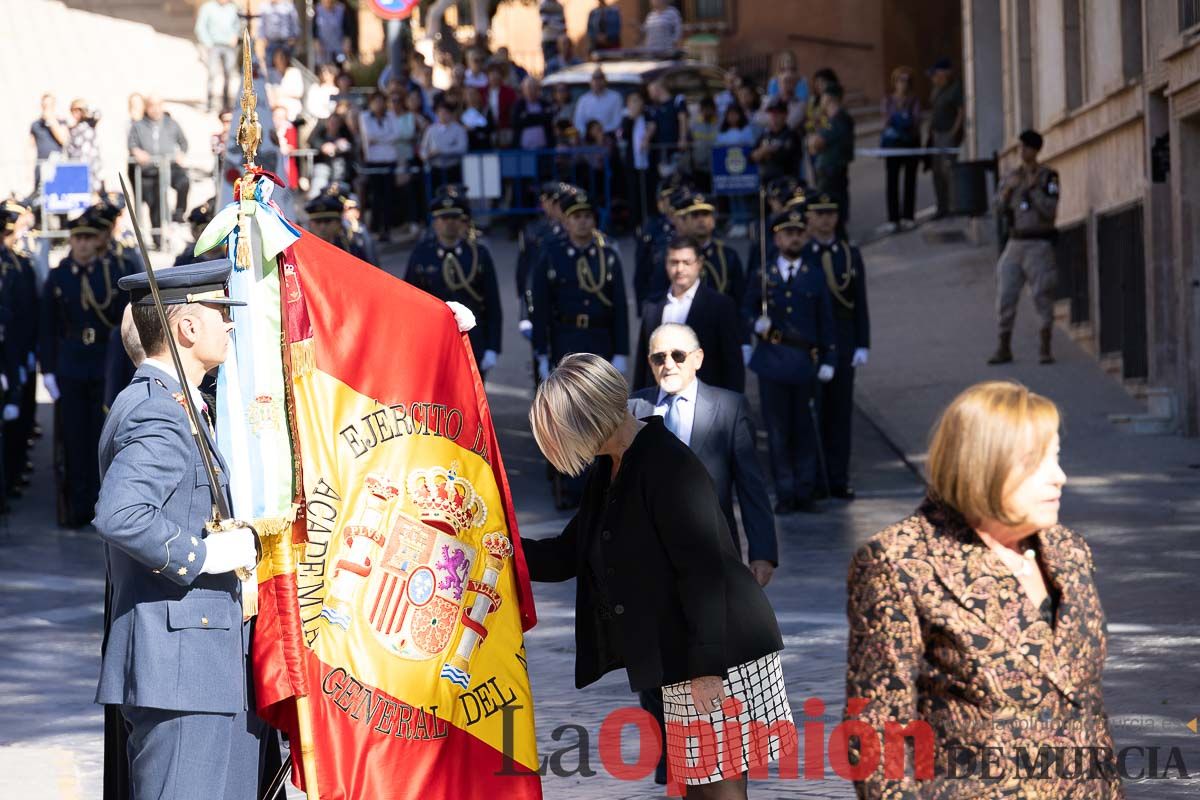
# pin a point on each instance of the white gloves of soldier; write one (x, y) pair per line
(51, 387)
(762, 325)
(11, 412)
(229, 550)
(543, 367)
(747, 351)
(860, 357)
(462, 315)
(488, 361)
(825, 373)
(620, 363)
(526, 328)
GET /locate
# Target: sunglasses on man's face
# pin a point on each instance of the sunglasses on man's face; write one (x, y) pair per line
(678, 356)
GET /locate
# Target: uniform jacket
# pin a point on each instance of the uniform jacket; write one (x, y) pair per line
(723, 439)
(463, 274)
(529, 243)
(579, 301)
(842, 266)
(941, 631)
(17, 273)
(674, 601)
(1033, 209)
(650, 265)
(176, 640)
(714, 318)
(722, 269)
(72, 332)
(801, 311)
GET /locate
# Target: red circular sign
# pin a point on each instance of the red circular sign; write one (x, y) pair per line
(394, 9)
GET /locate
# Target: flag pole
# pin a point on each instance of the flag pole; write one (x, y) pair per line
(249, 137)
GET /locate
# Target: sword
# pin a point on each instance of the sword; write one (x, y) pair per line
(762, 249)
(222, 517)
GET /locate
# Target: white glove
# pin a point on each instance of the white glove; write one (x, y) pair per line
(747, 351)
(762, 325)
(229, 550)
(543, 367)
(488, 361)
(526, 328)
(620, 363)
(825, 373)
(462, 315)
(860, 357)
(11, 412)
(51, 387)
(4, 383)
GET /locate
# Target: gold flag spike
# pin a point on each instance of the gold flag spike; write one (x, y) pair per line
(249, 134)
(1194, 725)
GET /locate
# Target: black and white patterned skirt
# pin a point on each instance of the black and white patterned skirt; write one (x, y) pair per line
(697, 752)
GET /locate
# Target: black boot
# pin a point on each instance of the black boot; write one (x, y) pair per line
(1003, 354)
(1044, 354)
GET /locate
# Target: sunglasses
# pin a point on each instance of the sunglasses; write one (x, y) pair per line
(678, 356)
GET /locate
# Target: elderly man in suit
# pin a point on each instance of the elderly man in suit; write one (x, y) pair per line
(712, 315)
(176, 655)
(716, 425)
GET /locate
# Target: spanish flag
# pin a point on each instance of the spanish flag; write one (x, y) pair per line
(389, 641)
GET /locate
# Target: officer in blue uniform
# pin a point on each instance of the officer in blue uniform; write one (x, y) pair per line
(721, 266)
(842, 265)
(781, 193)
(649, 272)
(325, 221)
(579, 306)
(81, 307)
(175, 659)
(530, 241)
(795, 351)
(120, 245)
(19, 279)
(356, 233)
(454, 266)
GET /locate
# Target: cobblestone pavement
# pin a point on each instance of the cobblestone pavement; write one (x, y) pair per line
(51, 581)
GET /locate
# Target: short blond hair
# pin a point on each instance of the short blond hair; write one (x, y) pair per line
(993, 433)
(576, 409)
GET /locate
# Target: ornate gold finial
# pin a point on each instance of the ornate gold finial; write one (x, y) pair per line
(249, 133)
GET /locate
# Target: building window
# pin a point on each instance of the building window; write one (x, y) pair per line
(1073, 52)
(1131, 38)
(1189, 14)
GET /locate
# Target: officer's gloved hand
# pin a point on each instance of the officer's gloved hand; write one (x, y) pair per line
(825, 373)
(51, 387)
(762, 325)
(620, 363)
(860, 357)
(543, 367)
(488, 361)
(11, 412)
(747, 351)
(526, 328)
(229, 550)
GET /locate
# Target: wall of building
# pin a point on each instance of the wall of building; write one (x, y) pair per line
(1050, 90)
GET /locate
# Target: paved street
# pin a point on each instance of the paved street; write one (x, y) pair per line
(1134, 498)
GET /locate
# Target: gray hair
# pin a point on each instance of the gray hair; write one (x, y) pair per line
(677, 327)
(130, 338)
(577, 409)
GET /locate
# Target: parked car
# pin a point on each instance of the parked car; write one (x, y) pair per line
(629, 70)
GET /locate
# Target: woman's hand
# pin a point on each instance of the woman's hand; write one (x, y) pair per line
(708, 693)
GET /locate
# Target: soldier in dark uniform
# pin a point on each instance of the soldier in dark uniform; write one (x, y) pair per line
(80, 308)
(579, 305)
(325, 221)
(783, 190)
(119, 244)
(198, 218)
(649, 272)
(721, 265)
(455, 267)
(19, 279)
(842, 265)
(356, 233)
(533, 237)
(832, 148)
(795, 351)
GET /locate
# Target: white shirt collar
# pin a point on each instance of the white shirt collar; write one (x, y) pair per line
(688, 394)
(688, 296)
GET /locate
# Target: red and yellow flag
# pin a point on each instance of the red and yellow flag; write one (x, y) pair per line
(399, 604)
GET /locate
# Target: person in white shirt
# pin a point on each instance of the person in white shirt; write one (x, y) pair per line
(381, 134)
(602, 104)
(286, 85)
(318, 101)
(443, 145)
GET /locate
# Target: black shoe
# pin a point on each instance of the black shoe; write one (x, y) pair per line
(808, 506)
(843, 492)
(785, 507)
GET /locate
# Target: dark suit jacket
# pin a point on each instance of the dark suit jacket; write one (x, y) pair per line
(941, 631)
(714, 318)
(723, 439)
(653, 554)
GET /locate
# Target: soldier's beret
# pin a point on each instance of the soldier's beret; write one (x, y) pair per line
(822, 202)
(782, 187)
(325, 206)
(694, 202)
(86, 223)
(798, 200)
(578, 201)
(451, 205)
(201, 214)
(203, 282)
(793, 218)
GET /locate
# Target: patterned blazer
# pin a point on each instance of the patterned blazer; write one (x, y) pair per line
(942, 632)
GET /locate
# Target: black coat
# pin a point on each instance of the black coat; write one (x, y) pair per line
(714, 318)
(682, 604)
(724, 441)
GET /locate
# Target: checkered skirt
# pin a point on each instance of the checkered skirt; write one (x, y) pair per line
(700, 754)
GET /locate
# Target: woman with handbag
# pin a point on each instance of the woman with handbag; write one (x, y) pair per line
(902, 129)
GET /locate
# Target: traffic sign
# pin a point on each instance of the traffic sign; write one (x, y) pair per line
(394, 9)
